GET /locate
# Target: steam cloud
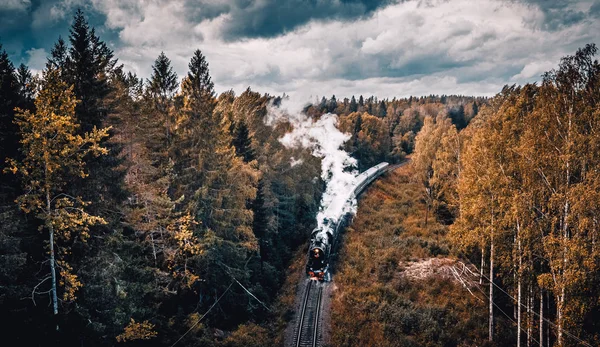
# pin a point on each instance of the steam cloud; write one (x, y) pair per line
(322, 136)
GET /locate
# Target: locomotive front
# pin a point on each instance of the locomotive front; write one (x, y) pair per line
(318, 252)
(317, 264)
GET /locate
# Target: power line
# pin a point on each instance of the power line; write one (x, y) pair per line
(204, 315)
(528, 308)
(507, 316)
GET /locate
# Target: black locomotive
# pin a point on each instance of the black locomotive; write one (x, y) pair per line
(322, 239)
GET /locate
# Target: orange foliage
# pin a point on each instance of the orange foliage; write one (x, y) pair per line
(137, 331)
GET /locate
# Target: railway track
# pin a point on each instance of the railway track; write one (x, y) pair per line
(308, 332)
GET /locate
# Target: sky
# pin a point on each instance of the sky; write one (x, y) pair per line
(313, 48)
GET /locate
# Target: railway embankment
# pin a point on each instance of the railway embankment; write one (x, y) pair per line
(397, 283)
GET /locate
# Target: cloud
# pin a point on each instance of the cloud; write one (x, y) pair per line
(343, 47)
(558, 14)
(270, 18)
(48, 13)
(410, 47)
(595, 9)
(36, 60)
(15, 5)
(534, 69)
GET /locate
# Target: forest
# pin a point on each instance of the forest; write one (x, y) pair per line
(129, 206)
(509, 202)
(518, 190)
(154, 211)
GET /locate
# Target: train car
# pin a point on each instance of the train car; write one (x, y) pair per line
(322, 239)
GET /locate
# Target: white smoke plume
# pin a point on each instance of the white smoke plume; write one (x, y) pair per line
(325, 140)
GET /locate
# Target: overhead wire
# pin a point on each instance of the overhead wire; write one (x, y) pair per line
(529, 308)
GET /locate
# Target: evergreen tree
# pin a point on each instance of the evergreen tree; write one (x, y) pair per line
(243, 142)
(323, 105)
(196, 128)
(353, 105)
(9, 99)
(58, 56)
(87, 67)
(199, 77)
(260, 220)
(382, 109)
(26, 86)
(161, 87)
(332, 105)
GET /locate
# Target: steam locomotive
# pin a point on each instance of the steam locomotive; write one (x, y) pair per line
(322, 239)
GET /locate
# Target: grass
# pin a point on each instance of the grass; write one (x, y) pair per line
(373, 304)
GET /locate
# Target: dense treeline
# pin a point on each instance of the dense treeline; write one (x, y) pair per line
(130, 206)
(385, 129)
(520, 187)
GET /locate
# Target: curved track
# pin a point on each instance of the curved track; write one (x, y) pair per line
(308, 332)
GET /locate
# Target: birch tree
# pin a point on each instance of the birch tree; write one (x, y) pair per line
(52, 154)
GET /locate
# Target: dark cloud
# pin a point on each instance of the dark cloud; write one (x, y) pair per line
(559, 13)
(380, 66)
(595, 9)
(39, 25)
(269, 18)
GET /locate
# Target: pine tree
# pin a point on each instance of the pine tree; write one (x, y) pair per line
(87, 67)
(323, 104)
(53, 152)
(26, 86)
(353, 105)
(332, 105)
(382, 109)
(260, 220)
(196, 128)
(243, 142)
(9, 99)
(58, 56)
(162, 86)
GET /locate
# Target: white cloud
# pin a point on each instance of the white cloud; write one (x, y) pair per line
(50, 12)
(413, 47)
(15, 5)
(534, 69)
(36, 59)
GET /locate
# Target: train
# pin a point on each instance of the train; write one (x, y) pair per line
(322, 238)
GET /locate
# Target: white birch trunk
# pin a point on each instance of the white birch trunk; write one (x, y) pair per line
(52, 253)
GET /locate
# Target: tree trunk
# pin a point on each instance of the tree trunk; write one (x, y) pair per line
(547, 326)
(482, 265)
(519, 300)
(559, 316)
(519, 284)
(491, 316)
(529, 315)
(52, 253)
(541, 317)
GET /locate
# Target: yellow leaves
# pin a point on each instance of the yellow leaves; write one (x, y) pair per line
(69, 281)
(187, 247)
(185, 238)
(53, 153)
(545, 281)
(137, 331)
